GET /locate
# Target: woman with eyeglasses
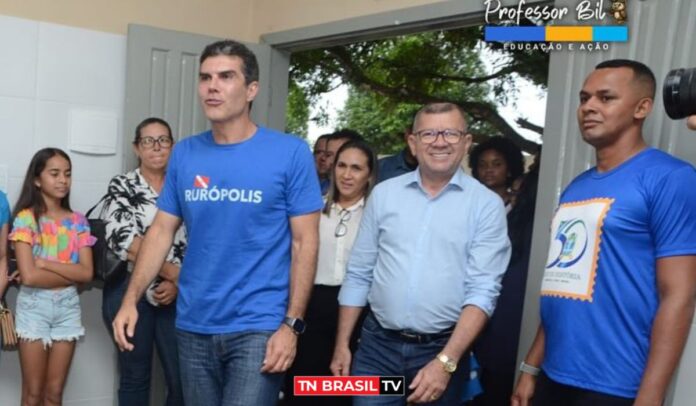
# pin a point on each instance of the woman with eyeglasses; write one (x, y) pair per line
(353, 175)
(130, 209)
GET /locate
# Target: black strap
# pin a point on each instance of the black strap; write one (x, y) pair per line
(89, 212)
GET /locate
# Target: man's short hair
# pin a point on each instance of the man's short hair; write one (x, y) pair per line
(325, 137)
(345, 134)
(436, 108)
(641, 72)
(230, 47)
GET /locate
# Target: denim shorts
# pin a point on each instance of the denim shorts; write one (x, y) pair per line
(49, 315)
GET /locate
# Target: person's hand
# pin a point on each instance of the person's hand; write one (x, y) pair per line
(165, 292)
(691, 122)
(340, 363)
(430, 383)
(280, 351)
(15, 278)
(524, 390)
(124, 326)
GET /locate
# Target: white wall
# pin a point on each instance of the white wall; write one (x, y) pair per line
(45, 71)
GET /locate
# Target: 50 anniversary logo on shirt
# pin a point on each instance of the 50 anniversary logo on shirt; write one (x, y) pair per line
(572, 262)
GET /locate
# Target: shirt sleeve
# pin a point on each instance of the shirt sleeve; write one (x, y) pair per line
(24, 228)
(4, 209)
(176, 253)
(363, 258)
(304, 193)
(84, 234)
(120, 217)
(672, 213)
(488, 257)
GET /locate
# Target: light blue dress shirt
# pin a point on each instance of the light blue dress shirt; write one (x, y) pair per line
(418, 260)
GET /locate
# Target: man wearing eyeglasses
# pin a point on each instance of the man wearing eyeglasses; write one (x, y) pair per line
(429, 257)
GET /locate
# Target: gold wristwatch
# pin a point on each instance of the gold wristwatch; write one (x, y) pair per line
(447, 363)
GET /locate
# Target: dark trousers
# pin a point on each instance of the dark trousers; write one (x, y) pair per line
(382, 354)
(315, 347)
(552, 393)
(155, 328)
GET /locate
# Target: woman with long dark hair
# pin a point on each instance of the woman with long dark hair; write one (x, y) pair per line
(353, 175)
(52, 244)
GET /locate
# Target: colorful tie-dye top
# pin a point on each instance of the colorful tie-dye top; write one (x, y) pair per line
(54, 240)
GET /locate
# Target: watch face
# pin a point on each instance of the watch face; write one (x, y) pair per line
(299, 326)
(448, 364)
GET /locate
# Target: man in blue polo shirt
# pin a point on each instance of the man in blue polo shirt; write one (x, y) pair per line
(617, 296)
(249, 197)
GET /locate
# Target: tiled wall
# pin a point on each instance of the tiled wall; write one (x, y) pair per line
(45, 71)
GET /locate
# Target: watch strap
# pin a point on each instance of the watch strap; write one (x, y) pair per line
(529, 369)
(291, 322)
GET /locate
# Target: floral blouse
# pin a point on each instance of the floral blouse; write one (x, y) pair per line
(54, 240)
(129, 210)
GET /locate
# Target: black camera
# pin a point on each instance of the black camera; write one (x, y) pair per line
(679, 93)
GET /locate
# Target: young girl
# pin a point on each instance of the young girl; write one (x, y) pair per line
(52, 245)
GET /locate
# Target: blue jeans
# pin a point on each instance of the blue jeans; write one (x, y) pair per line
(49, 315)
(224, 369)
(379, 354)
(155, 328)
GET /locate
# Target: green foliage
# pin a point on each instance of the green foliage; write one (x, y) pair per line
(379, 119)
(390, 78)
(297, 115)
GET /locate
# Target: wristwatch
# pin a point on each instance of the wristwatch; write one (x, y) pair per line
(447, 363)
(528, 369)
(298, 326)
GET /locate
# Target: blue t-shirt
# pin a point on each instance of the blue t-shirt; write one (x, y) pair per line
(236, 201)
(599, 292)
(4, 209)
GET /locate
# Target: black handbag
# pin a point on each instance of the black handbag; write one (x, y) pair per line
(107, 265)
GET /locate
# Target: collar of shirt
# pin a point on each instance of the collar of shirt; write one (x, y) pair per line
(337, 208)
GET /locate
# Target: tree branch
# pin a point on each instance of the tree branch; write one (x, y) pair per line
(529, 126)
(464, 79)
(481, 111)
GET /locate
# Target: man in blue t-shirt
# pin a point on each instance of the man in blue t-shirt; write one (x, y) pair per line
(617, 296)
(250, 200)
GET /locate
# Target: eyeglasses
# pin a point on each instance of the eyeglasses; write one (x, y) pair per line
(149, 142)
(449, 135)
(341, 227)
